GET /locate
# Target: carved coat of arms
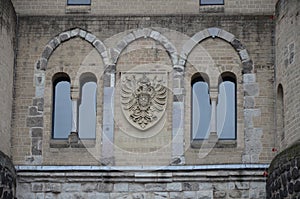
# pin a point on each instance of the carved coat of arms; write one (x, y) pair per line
(143, 98)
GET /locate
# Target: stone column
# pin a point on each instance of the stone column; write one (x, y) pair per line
(73, 137)
(213, 136)
(178, 116)
(108, 116)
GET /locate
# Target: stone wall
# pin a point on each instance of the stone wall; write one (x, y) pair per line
(7, 55)
(287, 69)
(103, 45)
(142, 7)
(7, 178)
(141, 182)
(284, 174)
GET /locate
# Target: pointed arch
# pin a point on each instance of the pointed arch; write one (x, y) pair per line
(41, 64)
(222, 34)
(144, 33)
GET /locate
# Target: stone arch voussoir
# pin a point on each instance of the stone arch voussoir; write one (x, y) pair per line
(144, 33)
(65, 36)
(222, 34)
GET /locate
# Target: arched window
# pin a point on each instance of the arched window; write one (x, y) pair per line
(226, 107)
(201, 108)
(62, 107)
(87, 106)
(280, 113)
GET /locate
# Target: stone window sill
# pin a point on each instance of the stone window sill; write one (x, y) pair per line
(211, 8)
(218, 144)
(67, 144)
(78, 9)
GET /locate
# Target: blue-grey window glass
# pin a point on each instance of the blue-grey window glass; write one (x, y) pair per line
(211, 2)
(201, 110)
(79, 2)
(62, 109)
(226, 111)
(87, 111)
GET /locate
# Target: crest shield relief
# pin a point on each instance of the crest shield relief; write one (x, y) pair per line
(143, 97)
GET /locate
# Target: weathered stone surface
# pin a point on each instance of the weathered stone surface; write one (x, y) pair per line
(136, 187)
(105, 187)
(155, 187)
(64, 36)
(90, 37)
(251, 89)
(71, 187)
(174, 187)
(121, 187)
(36, 132)
(249, 102)
(219, 194)
(52, 187)
(33, 111)
(190, 186)
(34, 121)
(37, 187)
(54, 43)
(47, 52)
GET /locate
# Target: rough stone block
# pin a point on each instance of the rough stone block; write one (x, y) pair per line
(188, 46)
(37, 187)
(200, 36)
(189, 194)
(121, 187)
(190, 186)
(136, 187)
(90, 37)
(64, 36)
(104, 187)
(213, 32)
(47, 52)
(71, 187)
(129, 38)
(36, 132)
(251, 89)
(155, 35)
(249, 102)
(219, 194)
(53, 187)
(237, 45)
(82, 33)
(139, 196)
(242, 185)
(99, 46)
(121, 45)
(226, 36)
(160, 195)
(34, 121)
(74, 32)
(244, 55)
(175, 186)
(155, 187)
(89, 187)
(54, 43)
(249, 78)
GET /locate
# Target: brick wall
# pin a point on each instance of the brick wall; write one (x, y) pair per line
(152, 7)
(7, 46)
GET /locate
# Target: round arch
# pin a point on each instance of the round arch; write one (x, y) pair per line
(222, 34)
(144, 33)
(65, 36)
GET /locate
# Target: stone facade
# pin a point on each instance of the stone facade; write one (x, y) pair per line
(7, 177)
(7, 62)
(284, 175)
(142, 182)
(144, 56)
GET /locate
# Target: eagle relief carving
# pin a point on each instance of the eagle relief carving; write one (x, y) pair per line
(143, 98)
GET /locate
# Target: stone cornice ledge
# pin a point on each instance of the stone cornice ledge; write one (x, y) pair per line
(199, 173)
(142, 168)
